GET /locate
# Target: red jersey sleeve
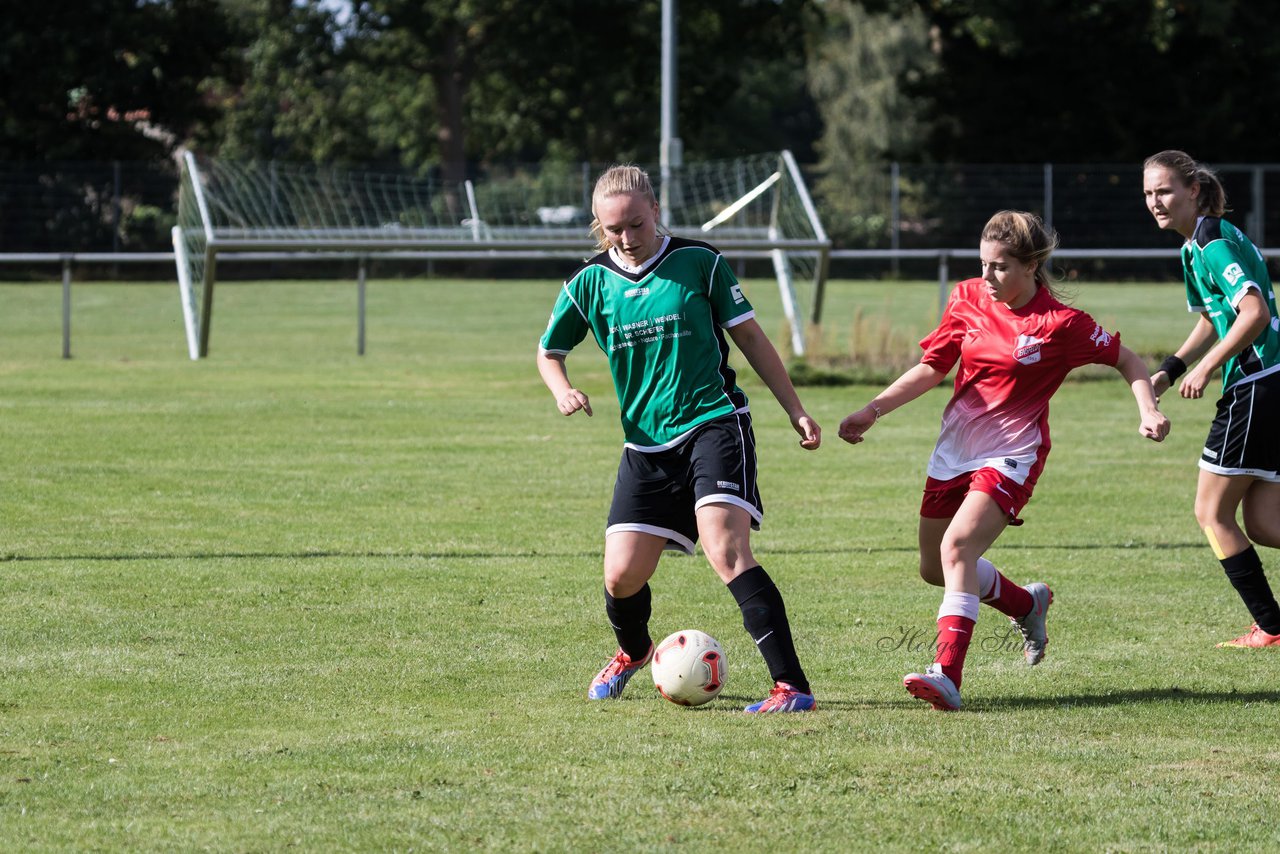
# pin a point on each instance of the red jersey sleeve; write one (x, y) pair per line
(942, 346)
(1087, 343)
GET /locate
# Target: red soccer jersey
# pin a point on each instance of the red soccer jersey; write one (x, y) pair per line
(1011, 363)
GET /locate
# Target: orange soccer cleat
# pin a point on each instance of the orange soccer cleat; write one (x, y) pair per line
(1255, 638)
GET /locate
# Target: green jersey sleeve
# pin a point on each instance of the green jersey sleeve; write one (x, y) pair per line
(567, 326)
(1221, 265)
(1230, 270)
(729, 304)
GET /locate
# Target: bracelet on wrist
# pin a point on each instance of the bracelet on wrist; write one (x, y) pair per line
(1174, 367)
(876, 410)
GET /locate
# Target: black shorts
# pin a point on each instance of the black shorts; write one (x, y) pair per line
(660, 492)
(1244, 438)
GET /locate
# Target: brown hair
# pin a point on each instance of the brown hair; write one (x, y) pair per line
(615, 181)
(1028, 239)
(1212, 200)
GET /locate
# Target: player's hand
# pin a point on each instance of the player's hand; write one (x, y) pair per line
(1155, 426)
(810, 432)
(572, 401)
(1193, 384)
(857, 423)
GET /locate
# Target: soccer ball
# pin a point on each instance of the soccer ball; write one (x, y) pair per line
(689, 668)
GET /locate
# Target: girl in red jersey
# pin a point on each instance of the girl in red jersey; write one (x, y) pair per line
(1015, 343)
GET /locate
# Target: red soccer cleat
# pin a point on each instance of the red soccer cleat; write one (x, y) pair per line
(1255, 638)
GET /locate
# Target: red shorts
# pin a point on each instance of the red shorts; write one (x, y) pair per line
(942, 498)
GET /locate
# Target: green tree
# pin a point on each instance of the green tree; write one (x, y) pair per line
(299, 94)
(579, 80)
(742, 78)
(424, 84)
(456, 85)
(87, 82)
(861, 65)
(1102, 81)
(101, 80)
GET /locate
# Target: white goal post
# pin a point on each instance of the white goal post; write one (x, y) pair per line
(750, 207)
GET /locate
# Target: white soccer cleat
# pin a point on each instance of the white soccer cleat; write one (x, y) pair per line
(1034, 639)
(934, 687)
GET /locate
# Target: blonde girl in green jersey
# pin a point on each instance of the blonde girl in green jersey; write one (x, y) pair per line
(1238, 331)
(660, 307)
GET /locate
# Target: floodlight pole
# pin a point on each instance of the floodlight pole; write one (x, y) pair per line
(670, 149)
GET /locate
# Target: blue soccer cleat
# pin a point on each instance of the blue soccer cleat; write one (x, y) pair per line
(784, 698)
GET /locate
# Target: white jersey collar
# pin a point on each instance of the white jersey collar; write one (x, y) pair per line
(648, 262)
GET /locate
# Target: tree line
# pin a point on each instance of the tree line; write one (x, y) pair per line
(452, 85)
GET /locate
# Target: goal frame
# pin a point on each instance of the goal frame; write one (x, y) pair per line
(205, 232)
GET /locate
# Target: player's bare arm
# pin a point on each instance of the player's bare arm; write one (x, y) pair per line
(765, 361)
(1153, 423)
(906, 388)
(555, 375)
(1251, 318)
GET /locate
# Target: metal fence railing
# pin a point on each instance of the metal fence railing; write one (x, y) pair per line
(941, 259)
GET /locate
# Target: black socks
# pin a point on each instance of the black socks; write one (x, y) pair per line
(630, 620)
(765, 618)
(1245, 572)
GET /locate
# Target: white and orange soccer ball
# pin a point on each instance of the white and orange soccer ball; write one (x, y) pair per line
(689, 668)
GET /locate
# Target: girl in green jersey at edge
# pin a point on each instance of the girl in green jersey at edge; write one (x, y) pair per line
(659, 307)
(1238, 331)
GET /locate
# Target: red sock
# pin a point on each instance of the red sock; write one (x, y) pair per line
(1013, 601)
(954, 634)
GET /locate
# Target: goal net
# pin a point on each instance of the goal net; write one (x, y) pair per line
(751, 208)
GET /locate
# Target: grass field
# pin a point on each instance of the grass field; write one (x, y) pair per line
(293, 598)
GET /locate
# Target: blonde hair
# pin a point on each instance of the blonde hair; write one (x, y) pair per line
(1212, 200)
(1028, 239)
(616, 181)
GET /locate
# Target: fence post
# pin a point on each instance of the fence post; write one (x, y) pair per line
(66, 306)
(360, 278)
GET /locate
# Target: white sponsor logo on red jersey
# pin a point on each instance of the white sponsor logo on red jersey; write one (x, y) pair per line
(1027, 349)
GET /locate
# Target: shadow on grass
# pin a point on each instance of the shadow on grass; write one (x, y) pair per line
(1013, 547)
(320, 554)
(1124, 698)
(1066, 701)
(303, 555)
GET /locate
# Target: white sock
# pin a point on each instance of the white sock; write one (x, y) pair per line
(988, 580)
(959, 605)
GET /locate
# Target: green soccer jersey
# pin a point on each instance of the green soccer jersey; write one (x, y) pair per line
(1220, 264)
(662, 329)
